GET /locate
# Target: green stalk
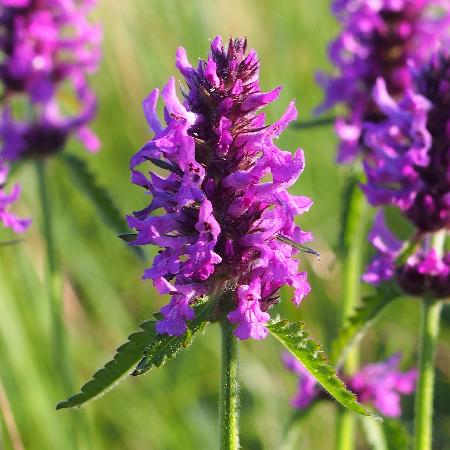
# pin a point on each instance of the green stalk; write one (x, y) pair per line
(53, 279)
(429, 332)
(425, 385)
(229, 390)
(54, 284)
(354, 238)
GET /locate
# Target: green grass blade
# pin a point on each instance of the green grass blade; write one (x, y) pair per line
(293, 336)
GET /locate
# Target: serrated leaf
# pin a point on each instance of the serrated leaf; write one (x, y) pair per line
(361, 320)
(166, 347)
(127, 355)
(294, 337)
(162, 347)
(98, 195)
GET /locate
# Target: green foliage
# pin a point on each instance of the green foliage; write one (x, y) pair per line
(165, 347)
(293, 336)
(362, 319)
(127, 355)
(86, 181)
(157, 349)
(397, 435)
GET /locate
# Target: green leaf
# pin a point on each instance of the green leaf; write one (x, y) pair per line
(87, 183)
(158, 348)
(108, 377)
(361, 320)
(128, 237)
(293, 336)
(165, 347)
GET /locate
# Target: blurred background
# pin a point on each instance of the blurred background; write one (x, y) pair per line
(104, 299)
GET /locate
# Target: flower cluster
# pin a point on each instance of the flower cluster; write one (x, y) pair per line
(379, 39)
(409, 167)
(228, 218)
(48, 47)
(423, 272)
(8, 218)
(380, 385)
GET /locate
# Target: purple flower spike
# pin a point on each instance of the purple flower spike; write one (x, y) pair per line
(380, 385)
(379, 39)
(422, 273)
(227, 216)
(9, 219)
(409, 167)
(47, 46)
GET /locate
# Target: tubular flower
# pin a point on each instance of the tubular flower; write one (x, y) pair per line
(227, 217)
(48, 47)
(379, 39)
(422, 272)
(9, 219)
(380, 385)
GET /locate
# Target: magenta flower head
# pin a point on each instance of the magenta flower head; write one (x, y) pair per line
(410, 162)
(9, 219)
(422, 272)
(378, 39)
(409, 167)
(380, 385)
(227, 217)
(48, 47)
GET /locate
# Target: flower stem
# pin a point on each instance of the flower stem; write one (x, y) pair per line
(425, 386)
(54, 285)
(355, 227)
(53, 279)
(229, 390)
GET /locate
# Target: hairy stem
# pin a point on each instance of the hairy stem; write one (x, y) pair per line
(345, 425)
(229, 390)
(425, 385)
(429, 332)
